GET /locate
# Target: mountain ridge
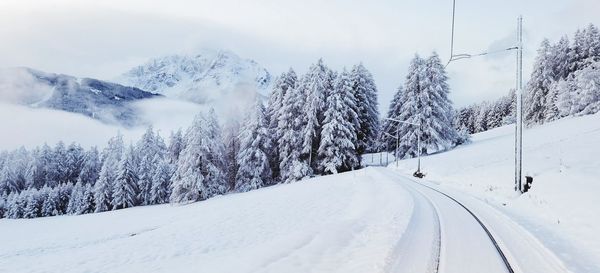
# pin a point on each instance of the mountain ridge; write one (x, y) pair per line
(203, 77)
(102, 100)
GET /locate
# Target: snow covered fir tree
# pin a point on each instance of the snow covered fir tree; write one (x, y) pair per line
(421, 110)
(255, 147)
(316, 124)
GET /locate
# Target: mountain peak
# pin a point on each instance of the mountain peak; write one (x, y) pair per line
(201, 77)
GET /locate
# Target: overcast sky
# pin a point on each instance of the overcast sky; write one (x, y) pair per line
(102, 39)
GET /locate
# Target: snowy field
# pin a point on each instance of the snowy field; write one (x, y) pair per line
(561, 209)
(352, 222)
(344, 223)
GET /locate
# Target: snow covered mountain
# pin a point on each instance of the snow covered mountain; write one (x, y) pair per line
(105, 101)
(205, 77)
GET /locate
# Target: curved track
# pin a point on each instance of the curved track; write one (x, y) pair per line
(464, 243)
(422, 236)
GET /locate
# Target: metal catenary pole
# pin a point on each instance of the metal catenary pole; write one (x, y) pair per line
(419, 153)
(518, 91)
(397, 144)
(519, 101)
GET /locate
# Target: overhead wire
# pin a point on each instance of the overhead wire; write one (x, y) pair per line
(452, 35)
(456, 57)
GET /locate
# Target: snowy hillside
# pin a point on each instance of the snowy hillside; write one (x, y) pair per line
(343, 223)
(561, 208)
(201, 78)
(105, 101)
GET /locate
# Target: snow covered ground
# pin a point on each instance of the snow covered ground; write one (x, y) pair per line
(561, 209)
(344, 223)
(370, 220)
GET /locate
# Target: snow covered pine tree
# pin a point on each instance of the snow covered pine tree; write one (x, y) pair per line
(337, 150)
(255, 144)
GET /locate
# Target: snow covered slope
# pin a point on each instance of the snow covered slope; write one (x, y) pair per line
(562, 207)
(201, 78)
(105, 101)
(343, 223)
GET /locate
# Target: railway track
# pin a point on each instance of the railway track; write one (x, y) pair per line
(483, 226)
(464, 242)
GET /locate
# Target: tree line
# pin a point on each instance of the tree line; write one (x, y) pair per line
(566, 78)
(565, 81)
(317, 124)
(486, 115)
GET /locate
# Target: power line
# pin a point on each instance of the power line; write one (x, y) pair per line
(519, 90)
(452, 36)
(467, 55)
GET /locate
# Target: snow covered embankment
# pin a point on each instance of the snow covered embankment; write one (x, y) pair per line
(342, 223)
(561, 209)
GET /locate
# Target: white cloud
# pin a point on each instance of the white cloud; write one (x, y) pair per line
(30, 127)
(19, 86)
(104, 38)
(25, 126)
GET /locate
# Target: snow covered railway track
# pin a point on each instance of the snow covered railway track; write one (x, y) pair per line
(483, 226)
(465, 243)
(420, 245)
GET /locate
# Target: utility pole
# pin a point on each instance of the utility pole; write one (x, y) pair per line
(418, 172)
(519, 101)
(387, 153)
(397, 144)
(419, 154)
(518, 91)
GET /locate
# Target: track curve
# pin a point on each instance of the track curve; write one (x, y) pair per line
(466, 244)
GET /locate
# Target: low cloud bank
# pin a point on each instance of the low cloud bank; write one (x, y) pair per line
(30, 127)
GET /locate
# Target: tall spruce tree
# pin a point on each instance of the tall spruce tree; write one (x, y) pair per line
(287, 81)
(412, 109)
(290, 143)
(125, 188)
(232, 148)
(365, 93)
(255, 145)
(437, 110)
(560, 58)
(214, 150)
(161, 181)
(91, 167)
(538, 85)
(337, 150)
(74, 159)
(425, 109)
(76, 199)
(111, 157)
(188, 178)
(176, 145)
(316, 86)
(200, 169)
(588, 85)
(394, 112)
